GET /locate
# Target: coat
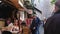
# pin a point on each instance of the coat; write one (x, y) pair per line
(52, 25)
(35, 23)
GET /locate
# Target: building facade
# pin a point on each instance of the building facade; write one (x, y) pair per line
(45, 6)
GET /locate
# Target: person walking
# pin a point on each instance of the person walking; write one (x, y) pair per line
(52, 25)
(35, 25)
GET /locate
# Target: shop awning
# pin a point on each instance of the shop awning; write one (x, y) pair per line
(15, 3)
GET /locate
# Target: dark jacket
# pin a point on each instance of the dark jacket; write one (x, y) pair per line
(52, 25)
(35, 23)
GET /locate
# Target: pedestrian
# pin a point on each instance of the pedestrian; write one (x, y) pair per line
(29, 18)
(25, 29)
(35, 25)
(52, 25)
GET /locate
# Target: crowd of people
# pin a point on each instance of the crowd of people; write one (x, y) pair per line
(29, 26)
(33, 25)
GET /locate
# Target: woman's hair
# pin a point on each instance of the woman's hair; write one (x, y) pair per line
(29, 15)
(16, 21)
(23, 23)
